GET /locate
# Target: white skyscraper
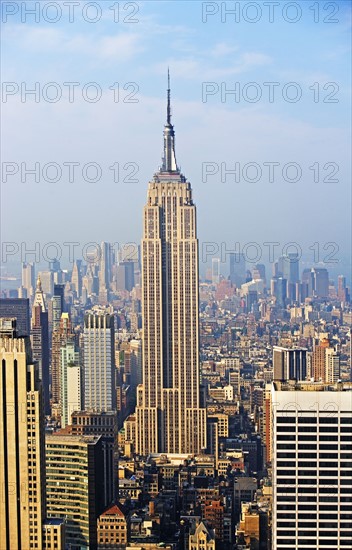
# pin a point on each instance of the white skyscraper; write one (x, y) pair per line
(99, 364)
(71, 382)
(312, 463)
(169, 414)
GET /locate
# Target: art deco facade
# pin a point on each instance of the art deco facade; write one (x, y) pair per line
(169, 414)
(22, 463)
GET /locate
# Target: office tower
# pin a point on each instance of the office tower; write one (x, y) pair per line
(22, 292)
(17, 308)
(125, 275)
(47, 282)
(22, 464)
(289, 363)
(308, 279)
(54, 265)
(40, 341)
(136, 362)
(76, 278)
(312, 458)
(288, 267)
(28, 278)
(301, 292)
(342, 290)
(320, 277)
(55, 306)
(279, 290)
(71, 382)
(75, 485)
(237, 268)
(99, 361)
(105, 266)
(60, 336)
(258, 272)
(332, 366)
(105, 425)
(215, 271)
(169, 414)
(325, 363)
(319, 361)
(90, 281)
(59, 290)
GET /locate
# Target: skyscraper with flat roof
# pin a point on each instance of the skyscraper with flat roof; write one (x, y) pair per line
(75, 485)
(170, 417)
(311, 464)
(18, 308)
(99, 362)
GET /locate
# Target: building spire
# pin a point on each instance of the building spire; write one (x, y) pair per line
(169, 157)
(168, 98)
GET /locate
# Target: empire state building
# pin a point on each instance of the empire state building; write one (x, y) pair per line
(170, 417)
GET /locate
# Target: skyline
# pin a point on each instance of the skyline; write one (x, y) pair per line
(210, 132)
(175, 327)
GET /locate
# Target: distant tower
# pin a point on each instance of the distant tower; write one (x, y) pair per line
(105, 266)
(40, 341)
(215, 271)
(76, 278)
(237, 268)
(320, 282)
(28, 278)
(170, 417)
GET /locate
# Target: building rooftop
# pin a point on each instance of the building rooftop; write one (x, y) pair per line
(292, 385)
(53, 521)
(113, 510)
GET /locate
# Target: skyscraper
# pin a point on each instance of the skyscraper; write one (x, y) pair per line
(320, 282)
(75, 485)
(237, 268)
(22, 463)
(170, 417)
(288, 267)
(215, 271)
(99, 362)
(40, 340)
(71, 382)
(60, 336)
(19, 309)
(76, 278)
(312, 457)
(28, 278)
(105, 266)
(289, 363)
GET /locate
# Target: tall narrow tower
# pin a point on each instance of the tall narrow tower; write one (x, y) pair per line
(169, 414)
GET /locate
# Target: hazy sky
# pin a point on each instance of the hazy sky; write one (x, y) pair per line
(299, 55)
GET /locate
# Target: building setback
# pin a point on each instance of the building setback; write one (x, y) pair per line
(170, 417)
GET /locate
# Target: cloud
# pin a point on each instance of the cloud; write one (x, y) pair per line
(119, 46)
(222, 49)
(192, 68)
